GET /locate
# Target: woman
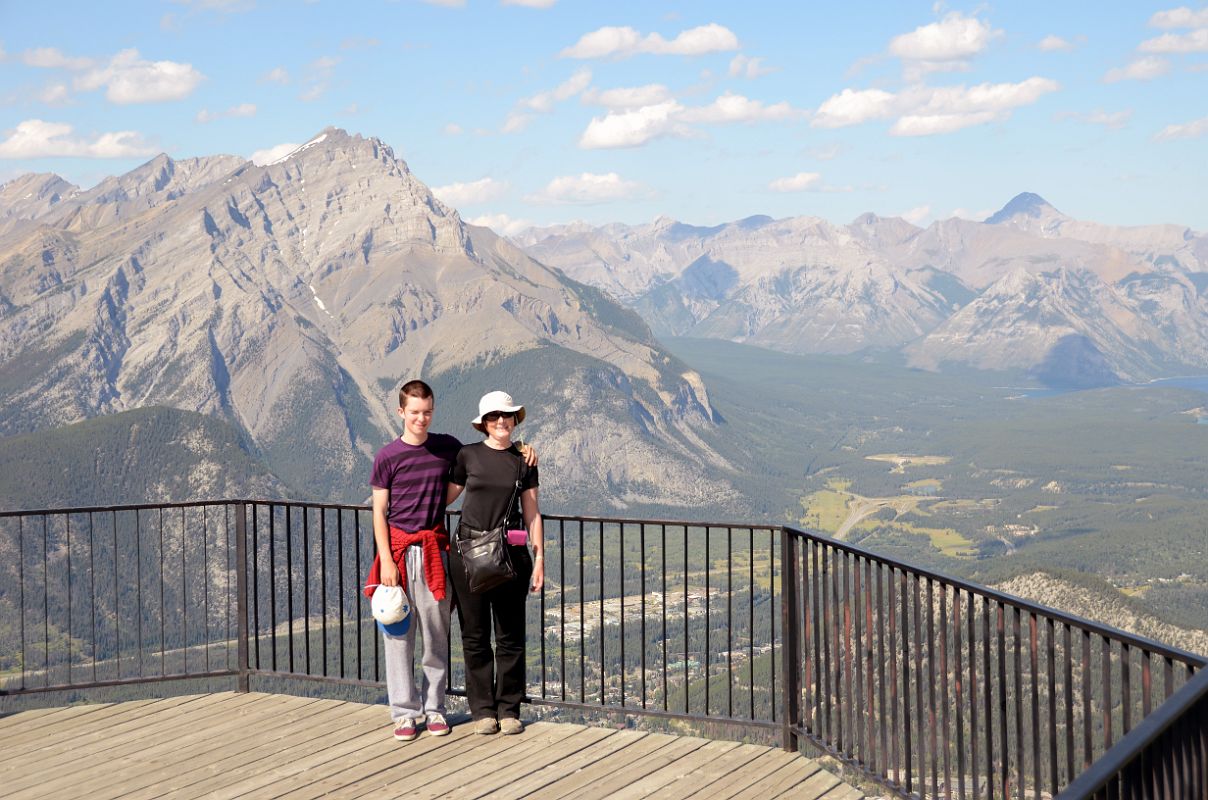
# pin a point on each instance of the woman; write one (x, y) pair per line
(488, 472)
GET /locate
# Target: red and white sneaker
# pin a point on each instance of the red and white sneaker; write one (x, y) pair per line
(437, 725)
(405, 730)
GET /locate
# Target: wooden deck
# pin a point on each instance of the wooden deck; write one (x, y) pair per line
(268, 746)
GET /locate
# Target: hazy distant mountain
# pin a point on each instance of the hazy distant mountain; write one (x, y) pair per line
(1030, 288)
(292, 299)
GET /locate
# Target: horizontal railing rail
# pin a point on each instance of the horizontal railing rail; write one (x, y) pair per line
(927, 684)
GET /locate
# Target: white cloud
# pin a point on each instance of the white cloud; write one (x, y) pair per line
(923, 110)
(800, 182)
(1140, 69)
(736, 108)
(53, 58)
(276, 75)
(1181, 17)
(628, 97)
(447, 3)
(129, 79)
(826, 153)
(954, 37)
(1113, 120)
(587, 189)
(270, 154)
(516, 122)
(916, 216)
(453, 129)
(544, 101)
(35, 138)
(1051, 44)
(623, 42)
(851, 107)
(241, 110)
(55, 94)
(530, 3)
(633, 128)
(742, 66)
(501, 224)
(1187, 130)
(469, 194)
(1194, 42)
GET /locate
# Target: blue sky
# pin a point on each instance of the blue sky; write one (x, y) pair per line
(548, 111)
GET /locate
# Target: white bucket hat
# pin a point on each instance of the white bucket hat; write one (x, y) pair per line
(496, 401)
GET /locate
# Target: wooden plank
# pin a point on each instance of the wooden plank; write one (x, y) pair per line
(607, 743)
(706, 777)
(421, 753)
(91, 767)
(765, 762)
(262, 736)
(266, 761)
(79, 717)
(493, 767)
(674, 772)
(611, 774)
(843, 791)
(791, 780)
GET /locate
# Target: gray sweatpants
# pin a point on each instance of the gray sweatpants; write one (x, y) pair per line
(432, 618)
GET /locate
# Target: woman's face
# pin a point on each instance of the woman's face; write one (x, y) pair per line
(499, 425)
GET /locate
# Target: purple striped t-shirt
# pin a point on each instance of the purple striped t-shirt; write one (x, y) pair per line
(416, 476)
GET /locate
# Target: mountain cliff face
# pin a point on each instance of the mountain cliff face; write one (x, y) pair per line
(292, 299)
(1029, 289)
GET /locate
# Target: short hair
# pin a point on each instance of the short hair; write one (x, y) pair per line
(413, 389)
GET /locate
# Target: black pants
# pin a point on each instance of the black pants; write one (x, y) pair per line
(495, 681)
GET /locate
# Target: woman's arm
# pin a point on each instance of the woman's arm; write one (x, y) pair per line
(536, 531)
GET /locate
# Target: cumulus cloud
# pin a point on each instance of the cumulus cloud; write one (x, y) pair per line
(628, 97)
(270, 154)
(954, 37)
(55, 94)
(1193, 42)
(1051, 44)
(453, 129)
(447, 3)
(35, 138)
(800, 182)
(742, 66)
(1181, 17)
(1140, 69)
(501, 224)
(53, 58)
(276, 75)
(916, 216)
(1187, 130)
(635, 127)
(923, 110)
(623, 42)
(1112, 120)
(241, 110)
(587, 189)
(736, 108)
(129, 79)
(544, 101)
(468, 194)
(531, 3)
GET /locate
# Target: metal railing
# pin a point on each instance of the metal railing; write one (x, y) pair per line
(929, 685)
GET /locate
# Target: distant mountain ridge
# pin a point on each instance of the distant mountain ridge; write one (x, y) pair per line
(1029, 289)
(290, 300)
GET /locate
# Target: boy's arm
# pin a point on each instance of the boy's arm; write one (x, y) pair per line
(381, 537)
(452, 492)
(528, 454)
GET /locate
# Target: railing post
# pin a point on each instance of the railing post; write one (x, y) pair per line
(790, 648)
(241, 589)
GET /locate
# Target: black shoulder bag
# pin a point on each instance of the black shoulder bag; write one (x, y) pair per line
(485, 554)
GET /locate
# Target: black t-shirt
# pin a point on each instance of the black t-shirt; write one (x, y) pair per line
(489, 476)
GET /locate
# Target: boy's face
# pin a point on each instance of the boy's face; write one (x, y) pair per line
(417, 415)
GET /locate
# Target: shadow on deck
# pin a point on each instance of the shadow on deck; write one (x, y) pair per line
(267, 746)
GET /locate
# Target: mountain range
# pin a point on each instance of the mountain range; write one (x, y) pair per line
(291, 300)
(1028, 290)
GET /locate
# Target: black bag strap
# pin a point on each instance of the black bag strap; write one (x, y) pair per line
(507, 511)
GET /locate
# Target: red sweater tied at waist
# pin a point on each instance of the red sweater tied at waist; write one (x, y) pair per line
(432, 541)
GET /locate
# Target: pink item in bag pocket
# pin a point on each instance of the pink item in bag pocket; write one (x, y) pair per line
(518, 538)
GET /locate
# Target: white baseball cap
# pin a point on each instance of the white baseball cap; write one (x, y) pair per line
(392, 610)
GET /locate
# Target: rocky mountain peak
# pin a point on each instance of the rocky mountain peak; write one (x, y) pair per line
(1024, 204)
